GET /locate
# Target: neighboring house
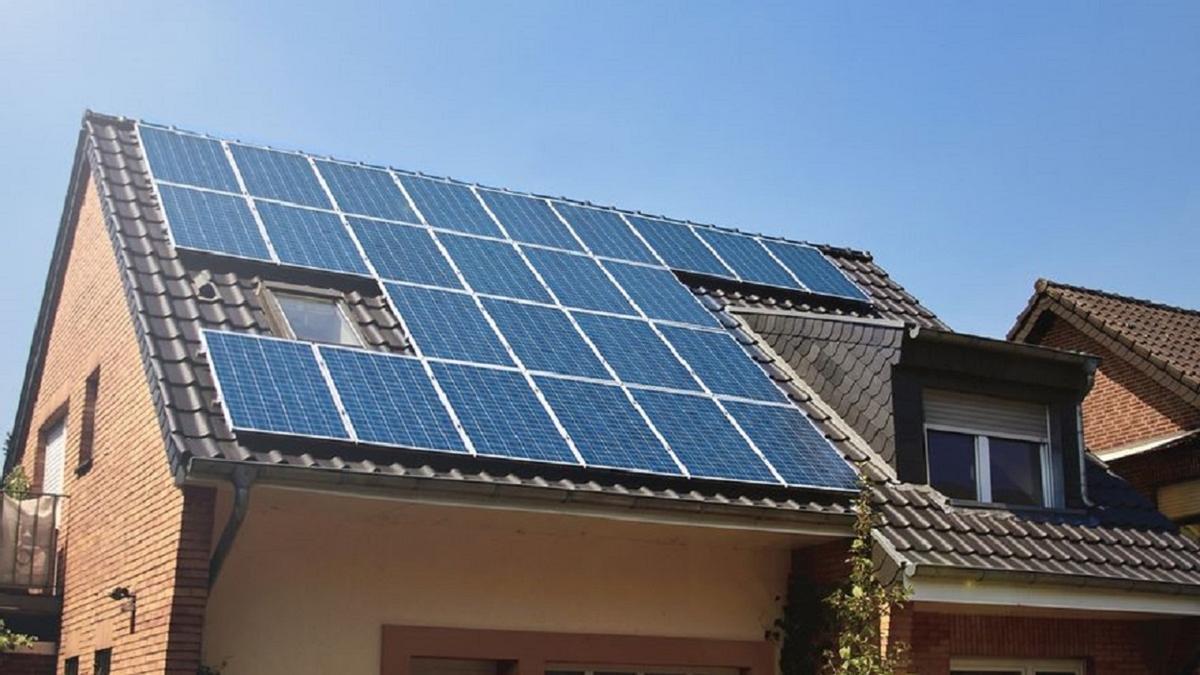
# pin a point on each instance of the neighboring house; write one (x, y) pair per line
(1142, 416)
(234, 403)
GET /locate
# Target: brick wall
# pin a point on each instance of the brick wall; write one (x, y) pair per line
(1124, 405)
(1106, 647)
(125, 522)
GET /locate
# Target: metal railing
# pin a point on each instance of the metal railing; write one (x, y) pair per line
(29, 542)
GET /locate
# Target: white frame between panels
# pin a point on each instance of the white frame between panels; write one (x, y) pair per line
(506, 239)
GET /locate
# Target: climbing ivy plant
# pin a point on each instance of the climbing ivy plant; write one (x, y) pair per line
(850, 618)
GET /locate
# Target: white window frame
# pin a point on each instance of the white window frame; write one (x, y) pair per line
(274, 291)
(1023, 666)
(983, 460)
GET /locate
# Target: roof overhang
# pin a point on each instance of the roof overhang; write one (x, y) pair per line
(509, 493)
(998, 359)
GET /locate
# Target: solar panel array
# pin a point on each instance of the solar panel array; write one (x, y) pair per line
(542, 331)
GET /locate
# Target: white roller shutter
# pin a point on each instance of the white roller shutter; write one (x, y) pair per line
(985, 415)
(54, 459)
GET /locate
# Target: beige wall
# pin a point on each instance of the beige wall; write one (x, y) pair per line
(312, 578)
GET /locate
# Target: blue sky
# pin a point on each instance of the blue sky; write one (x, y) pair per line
(972, 147)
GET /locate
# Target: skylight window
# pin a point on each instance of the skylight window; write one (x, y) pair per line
(316, 319)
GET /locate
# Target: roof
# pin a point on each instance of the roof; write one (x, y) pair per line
(1119, 539)
(832, 359)
(1161, 340)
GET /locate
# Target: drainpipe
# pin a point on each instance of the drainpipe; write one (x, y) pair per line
(242, 478)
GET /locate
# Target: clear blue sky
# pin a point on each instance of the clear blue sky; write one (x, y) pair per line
(973, 147)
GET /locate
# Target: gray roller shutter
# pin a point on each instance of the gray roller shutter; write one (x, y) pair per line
(985, 415)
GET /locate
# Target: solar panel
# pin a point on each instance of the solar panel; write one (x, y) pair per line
(748, 258)
(449, 206)
(679, 247)
(448, 325)
(794, 447)
(814, 270)
(208, 221)
(180, 158)
(404, 253)
(607, 430)
(702, 438)
(636, 352)
(273, 386)
(722, 364)
(501, 414)
(578, 281)
(494, 268)
(660, 295)
(391, 400)
(310, 238)
(279, 175)
(529, 220)
(544, 339)
(604, 233)
(370, 192)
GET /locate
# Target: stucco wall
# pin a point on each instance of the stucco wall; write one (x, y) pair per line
(312, 578)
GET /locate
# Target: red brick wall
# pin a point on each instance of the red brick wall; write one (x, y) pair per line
(125, 522)
(1124, 405)
(1107, 647)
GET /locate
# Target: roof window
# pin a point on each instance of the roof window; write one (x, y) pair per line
(314, 317)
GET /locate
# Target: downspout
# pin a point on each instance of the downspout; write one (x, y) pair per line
(242, 478)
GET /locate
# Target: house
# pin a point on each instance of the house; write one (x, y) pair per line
(318, 417)
(1142, 416)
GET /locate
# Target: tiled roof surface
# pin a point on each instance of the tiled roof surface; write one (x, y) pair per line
(173, 299)
(1164, 338)
(176, 297)
(1121, 538)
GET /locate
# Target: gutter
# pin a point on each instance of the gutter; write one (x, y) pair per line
(505, 494)
(1049, 579)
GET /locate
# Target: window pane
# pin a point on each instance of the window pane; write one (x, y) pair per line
(1016, 471)
(317, 320)
(952, 464)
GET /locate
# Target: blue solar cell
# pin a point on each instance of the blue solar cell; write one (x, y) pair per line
(722, 364)
(578, 281)
(748, 258)
(494, 268)
(310, 238)
(279, 175)
(660, 295)
(529, 220)
(793, 446)
(544, 339)
(212, 222)
(604, 233)
(391, 400)
(191, 160)
(370, 192)
(607, 430)
(404, 253)
(273, 386)
(449, 206)
(636, 352)
(501, 414)
(702, 438)
(814, 270)
(448, 325)
(679, 247)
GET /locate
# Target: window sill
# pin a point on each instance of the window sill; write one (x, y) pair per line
(1019, 508)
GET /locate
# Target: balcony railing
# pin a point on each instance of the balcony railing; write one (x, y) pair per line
(29, 542)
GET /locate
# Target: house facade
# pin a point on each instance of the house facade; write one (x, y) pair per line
(273, 442)
(1143, 414)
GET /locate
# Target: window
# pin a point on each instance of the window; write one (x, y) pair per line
(316, 318)
(71, 666)
(53, 440)
(1018, 667)
(87, 432)
(989, 450)
(103, 662)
